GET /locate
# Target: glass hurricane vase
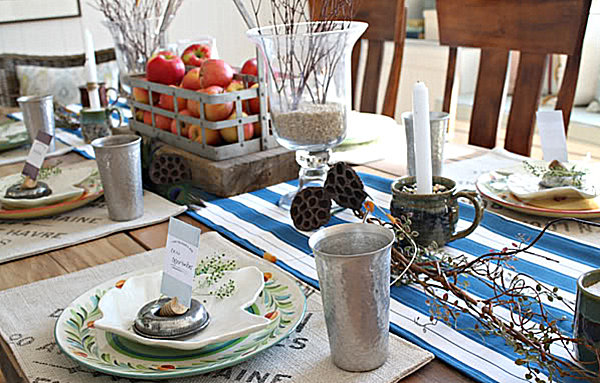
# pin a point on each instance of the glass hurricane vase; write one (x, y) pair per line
(135, 42)
(309, 82)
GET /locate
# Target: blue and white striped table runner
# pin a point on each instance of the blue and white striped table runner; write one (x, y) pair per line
(254, 221)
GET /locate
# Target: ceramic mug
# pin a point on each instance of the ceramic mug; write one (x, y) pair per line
(434, 216)
(96, 123)
(102, 92)
(587, 320)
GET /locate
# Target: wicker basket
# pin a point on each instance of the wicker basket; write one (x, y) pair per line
(216, 153)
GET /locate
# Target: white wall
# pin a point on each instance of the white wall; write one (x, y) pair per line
(195, 17)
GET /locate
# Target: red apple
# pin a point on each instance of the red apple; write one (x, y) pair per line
(212, 112)
(166, 68)
(196, 54)
(213, 137)
(184, 127)
(166, 102)
(215, 72)
(235, 86)
(230, 134)
(254, 103)
(162, 122)
(250, 67)
(147, 118)
(191, 80)
(257, 129)
(141, 95)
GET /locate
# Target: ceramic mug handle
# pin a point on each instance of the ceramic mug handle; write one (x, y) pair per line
(110, 88)
(109, 112)
(477, 204)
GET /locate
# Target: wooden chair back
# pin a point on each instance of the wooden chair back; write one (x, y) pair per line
(387, 22)
(9, 83)
(535, 28)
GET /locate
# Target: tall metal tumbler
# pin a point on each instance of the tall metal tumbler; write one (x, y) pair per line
(353, 264)
(439, 126)
(38, 114)
(120, 164)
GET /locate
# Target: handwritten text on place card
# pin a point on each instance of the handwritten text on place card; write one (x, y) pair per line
(180, 261)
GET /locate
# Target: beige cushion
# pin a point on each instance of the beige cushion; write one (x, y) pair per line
(62, 83)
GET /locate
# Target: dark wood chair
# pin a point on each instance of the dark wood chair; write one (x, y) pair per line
(387, 22)
(9, 83)
(536, 28)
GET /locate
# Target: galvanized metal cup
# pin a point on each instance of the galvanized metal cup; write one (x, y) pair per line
(120, 164)
(38, 114)
(353, 264)
(439, 126)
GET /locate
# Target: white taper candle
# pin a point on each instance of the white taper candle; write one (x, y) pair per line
(91, 75)
(422, 139)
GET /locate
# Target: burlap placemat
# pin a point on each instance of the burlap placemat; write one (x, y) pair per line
(302, 357)
(466, 173)
(23, 238)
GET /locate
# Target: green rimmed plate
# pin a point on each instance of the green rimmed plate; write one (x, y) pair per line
(282, 301)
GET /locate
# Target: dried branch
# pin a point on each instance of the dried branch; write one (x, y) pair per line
(140, 23)
(307, 57)
(516, 311)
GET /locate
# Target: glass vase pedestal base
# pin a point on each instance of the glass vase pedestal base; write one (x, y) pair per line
(313, 172)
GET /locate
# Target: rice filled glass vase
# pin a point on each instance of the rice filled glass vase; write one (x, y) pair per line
(309, 86)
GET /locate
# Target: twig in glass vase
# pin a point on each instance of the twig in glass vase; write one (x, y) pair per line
(137, 27)
(518, 308)
(308, 65)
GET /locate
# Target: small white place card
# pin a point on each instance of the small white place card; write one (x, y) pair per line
(37, 154)
(180, 261)
(552, 135)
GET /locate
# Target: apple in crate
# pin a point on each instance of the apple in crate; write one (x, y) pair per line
(166, 102)
(195, 54)
(230, 134)
(139, 115)
(147, 118)
(257, 129)
(254, 103)
(212, 112)
(235, 86)
(191, 80)
(250, 67)
(213, 137)
(142, 95)
(184, 126)
(162, 122)
(165, 67)
(215, 72)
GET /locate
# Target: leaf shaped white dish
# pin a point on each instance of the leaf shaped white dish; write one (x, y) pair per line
(228, 317)
(63, 185)
(526, 186)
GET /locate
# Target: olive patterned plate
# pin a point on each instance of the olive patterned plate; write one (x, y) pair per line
(92, 190)
(281, 301)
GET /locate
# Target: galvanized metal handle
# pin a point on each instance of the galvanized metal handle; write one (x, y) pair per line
(477, 204)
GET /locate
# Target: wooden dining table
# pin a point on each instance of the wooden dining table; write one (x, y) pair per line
(73, 258)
